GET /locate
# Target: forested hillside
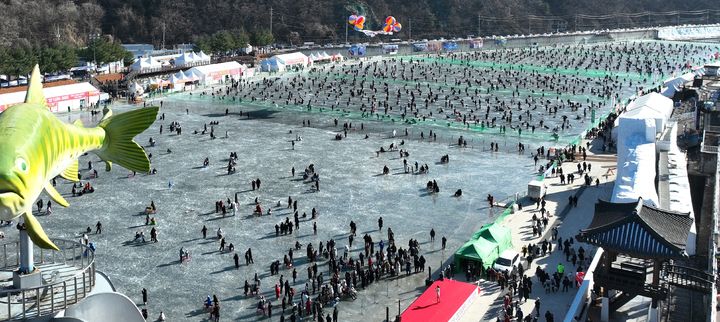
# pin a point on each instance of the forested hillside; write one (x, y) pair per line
(58, 24)
(72, 22)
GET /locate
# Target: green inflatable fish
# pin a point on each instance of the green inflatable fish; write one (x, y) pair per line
(35, 147)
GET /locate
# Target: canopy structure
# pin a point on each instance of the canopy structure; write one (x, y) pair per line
(323, 57)
(204, 57)
(479, 250)
(497, 234)
(184, 60)
(192, 59)
(175, 80)
(144, 64)
(272, 64)
(656, 106)
(636, 148)
(284, 61)
(485, 245)
(216, 73)
(357, 50)
(674, 84)
(638, 230)
(136, 89)
(455, 298)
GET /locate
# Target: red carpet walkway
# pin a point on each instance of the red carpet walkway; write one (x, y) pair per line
(455, 297)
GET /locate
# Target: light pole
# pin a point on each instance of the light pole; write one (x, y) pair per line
(93, 43)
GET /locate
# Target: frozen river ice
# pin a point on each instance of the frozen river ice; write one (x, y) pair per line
(351, 189)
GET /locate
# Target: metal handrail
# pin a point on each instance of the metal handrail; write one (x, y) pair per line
(71, 253)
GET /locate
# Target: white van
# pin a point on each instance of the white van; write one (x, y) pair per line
(508, 260)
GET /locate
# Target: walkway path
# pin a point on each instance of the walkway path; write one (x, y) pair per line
(569, 221)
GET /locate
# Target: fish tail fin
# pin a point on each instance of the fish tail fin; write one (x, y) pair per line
(120, 129)
(37, 234)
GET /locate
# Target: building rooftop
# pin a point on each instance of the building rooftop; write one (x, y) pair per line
(638, 230)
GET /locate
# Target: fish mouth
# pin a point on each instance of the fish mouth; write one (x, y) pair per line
(11, 202)
(9, 191)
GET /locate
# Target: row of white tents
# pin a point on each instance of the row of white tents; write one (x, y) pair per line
(144, 64)
(201, 75)
(284, 62)
(192, 59)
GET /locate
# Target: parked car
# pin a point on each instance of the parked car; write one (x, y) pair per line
(508, 260)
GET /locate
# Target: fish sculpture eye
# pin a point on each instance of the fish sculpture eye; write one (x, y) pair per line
(22, 165)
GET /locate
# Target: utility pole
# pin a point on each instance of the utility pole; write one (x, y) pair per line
(163, 35)
(346, 30)
(410, 28)
(271, 16)
(529, 21)
(576, 23)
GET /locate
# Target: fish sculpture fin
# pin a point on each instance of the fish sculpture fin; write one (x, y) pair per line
(108, 165)
(71, 173)
(120, 129)
(37, 234)
(35, 89)
(55, 195)
(78, 123)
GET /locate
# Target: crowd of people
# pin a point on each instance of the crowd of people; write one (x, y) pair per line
(504, 90)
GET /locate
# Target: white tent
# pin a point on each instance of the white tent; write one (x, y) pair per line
(184, 60)
(216, 73)
(142, 64)
(283, 61)
(272, 64)
(674, 84)
(136, 89)
(650, 106)
(661, 107)
(195, 73)
(190, 76)
(292, 59)
(175, 80)
(180, 77)
(204, 57)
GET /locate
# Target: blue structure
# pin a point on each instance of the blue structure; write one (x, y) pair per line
(450, 46)
(357, 50)
(420, 46)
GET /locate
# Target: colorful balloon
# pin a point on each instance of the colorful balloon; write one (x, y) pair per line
(390, 20)
(397, 27)
(388, 28)
(352, 19)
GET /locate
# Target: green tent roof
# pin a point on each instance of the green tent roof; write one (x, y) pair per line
(486, 244)
(479, 249)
